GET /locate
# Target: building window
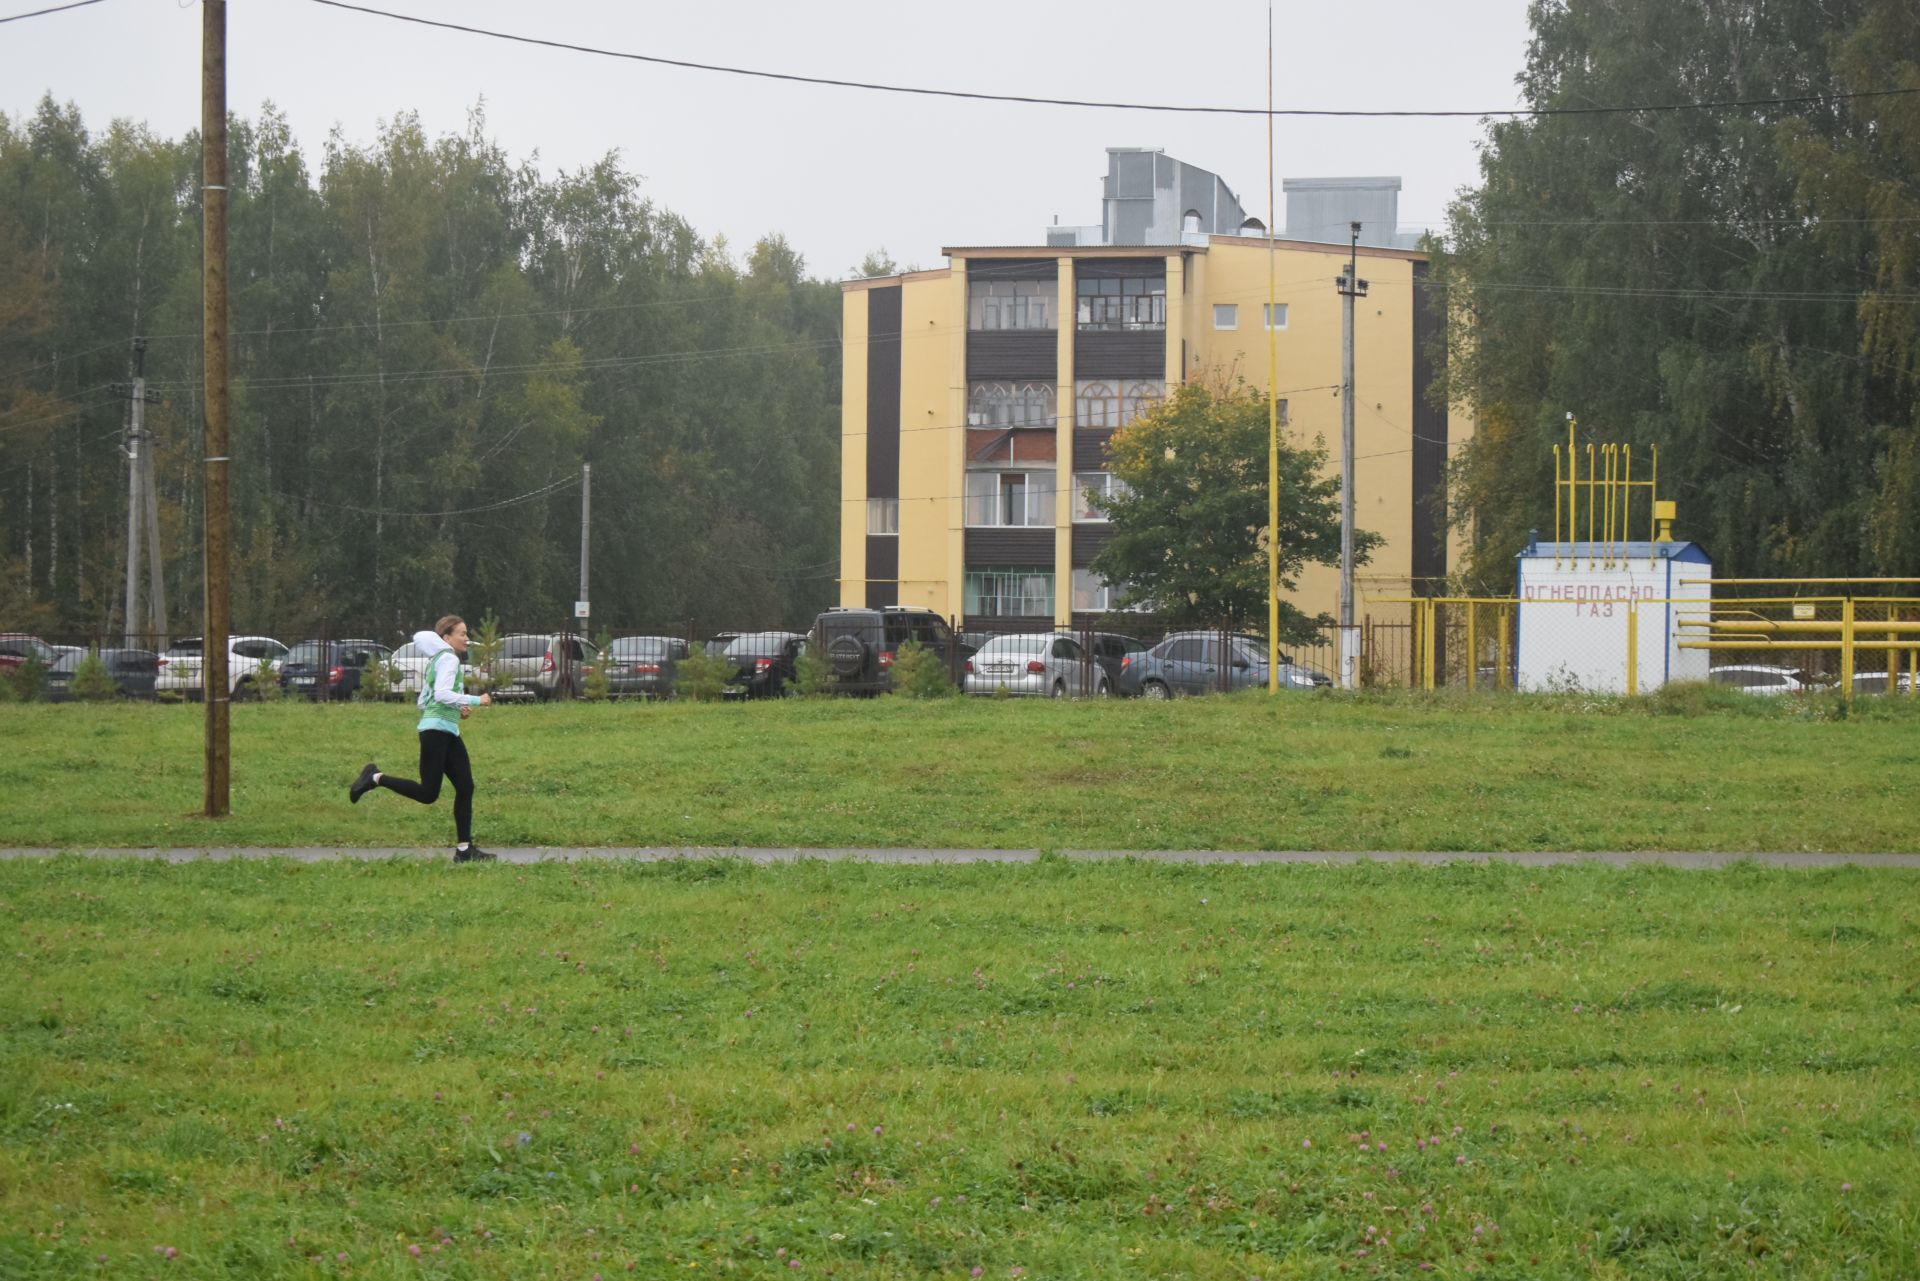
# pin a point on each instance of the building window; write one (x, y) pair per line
(1121, 303)
(1102, 404)
(1019, 499)
(1010, 405)
(1088, 485)
(1092, 594)
(1274, 315)
(1226, 315)
(883, 515)
(1009, 593)
(1011, 304)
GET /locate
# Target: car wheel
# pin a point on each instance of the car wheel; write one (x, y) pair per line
(1155, 689)
(1103, 690)
(1059, 690)
(244, 692)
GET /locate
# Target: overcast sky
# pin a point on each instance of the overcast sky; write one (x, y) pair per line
(838, 171)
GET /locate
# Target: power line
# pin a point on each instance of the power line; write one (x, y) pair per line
(1112, 106)
(527, 497)
(41, 13)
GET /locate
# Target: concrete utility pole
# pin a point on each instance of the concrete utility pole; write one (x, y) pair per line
(1350, 287)
(213, 332)
(140, 495)
(586, 514)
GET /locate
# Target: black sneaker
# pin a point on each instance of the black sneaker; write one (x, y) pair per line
(473, 854)
(363, 784)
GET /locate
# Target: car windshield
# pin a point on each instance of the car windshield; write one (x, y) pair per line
(307, 652)
(1011, 645)
(757, 645)
(1252, 651)
(184, 648)
(639, 647)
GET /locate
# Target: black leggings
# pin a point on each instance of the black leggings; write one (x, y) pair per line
(441, 755)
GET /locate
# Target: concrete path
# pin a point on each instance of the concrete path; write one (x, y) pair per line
(752, 855)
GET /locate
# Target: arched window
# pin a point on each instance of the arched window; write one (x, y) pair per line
(1097, 404)
(1010, 405)
(1190, 221)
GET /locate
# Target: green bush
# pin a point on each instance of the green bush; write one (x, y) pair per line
(266, 682)
(598, 686)
(918, 672)
(92, 682)
(27, 683)
(810, 673)
(484, 648)
(702, 676)
(376, 682)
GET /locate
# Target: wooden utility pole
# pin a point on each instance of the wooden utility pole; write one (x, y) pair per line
(213, 165)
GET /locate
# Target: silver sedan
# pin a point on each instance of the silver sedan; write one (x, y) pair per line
(1041, 665)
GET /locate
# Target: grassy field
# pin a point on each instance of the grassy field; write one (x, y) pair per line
(1702, 770)
(1055, 1070)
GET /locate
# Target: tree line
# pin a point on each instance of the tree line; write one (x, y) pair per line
(1738, 285)
(428, 341)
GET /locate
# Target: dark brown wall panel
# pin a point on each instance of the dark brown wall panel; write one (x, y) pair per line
(1140, 353)
(883, 392)
(1014, 355)
(1089, 541)
(988, 547)
(1429, 551)
(883, 567)
(1090, 448)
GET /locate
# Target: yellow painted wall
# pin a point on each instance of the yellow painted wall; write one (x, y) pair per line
(933, 416)
(853, 446)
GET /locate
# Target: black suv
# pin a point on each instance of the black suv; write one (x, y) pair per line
(858, 645)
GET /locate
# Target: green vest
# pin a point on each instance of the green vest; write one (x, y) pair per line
(433, 713)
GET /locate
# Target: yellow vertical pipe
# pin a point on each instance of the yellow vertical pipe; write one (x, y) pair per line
(1633, 648)
(1473, 647)
(1846, 649)
(1433, 646)
(1501, 678)
(1653, 501)
(1593, 498)
(1626, 509)
(1573, 491)
(1556, 506)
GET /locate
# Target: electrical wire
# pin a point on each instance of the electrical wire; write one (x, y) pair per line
(41, 13)
(1113, 106)
(563, 483)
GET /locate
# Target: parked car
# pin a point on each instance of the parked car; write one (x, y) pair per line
(17, 647)
(329, 670)
(1206, 663)
(644, 666)
(1876, 683)
(1038, 664)
(134, 672)
(180, 666)
(716, 646)
(410, 671)
(540, 667)
(763, 664)
(1111, 650)
(858, 645)
(1760, 678)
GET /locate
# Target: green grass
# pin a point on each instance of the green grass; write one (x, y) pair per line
(1691, 769)
(1051, 1070)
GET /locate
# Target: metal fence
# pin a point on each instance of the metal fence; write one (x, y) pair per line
(1858, 645)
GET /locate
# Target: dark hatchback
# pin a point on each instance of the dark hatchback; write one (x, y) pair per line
(134, 672)
(329, 669)
(763, 663)
(643, 666)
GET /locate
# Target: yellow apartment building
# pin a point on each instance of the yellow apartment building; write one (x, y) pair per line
(978, 398)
